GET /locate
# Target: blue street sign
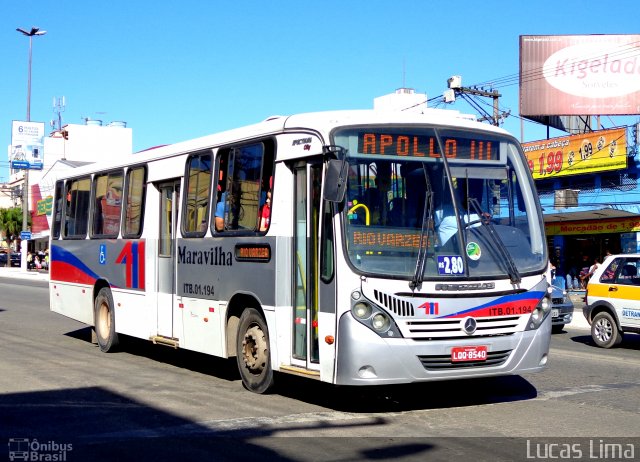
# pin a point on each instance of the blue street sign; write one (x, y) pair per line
(25, 235)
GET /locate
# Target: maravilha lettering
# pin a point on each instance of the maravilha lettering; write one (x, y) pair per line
(214, 256)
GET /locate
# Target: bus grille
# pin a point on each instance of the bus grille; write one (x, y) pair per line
(396, 305)
(427, 329)
(438, 362)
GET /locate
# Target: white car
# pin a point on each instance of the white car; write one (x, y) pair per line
(613, 299)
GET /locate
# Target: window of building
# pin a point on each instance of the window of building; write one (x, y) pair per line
(619, 181)
(583, 183)
(107, 204)
(134, 202)
(545, 187)
(198, 191)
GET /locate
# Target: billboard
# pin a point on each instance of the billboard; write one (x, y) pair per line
(579, 75)
(577, 154)
(27, 145)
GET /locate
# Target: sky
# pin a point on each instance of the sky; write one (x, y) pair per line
(175, 70)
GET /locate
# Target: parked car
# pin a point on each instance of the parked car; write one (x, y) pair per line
(15, 259)
(561, 309)
(613, 299)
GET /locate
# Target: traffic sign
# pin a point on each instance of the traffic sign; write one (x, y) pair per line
(25, 235)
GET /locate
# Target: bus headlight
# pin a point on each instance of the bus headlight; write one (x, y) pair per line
(362, 310)
(373, 316)
(539, 314)
(380, 322)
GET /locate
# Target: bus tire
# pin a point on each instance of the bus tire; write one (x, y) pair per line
(105, 321)
(604, 330)
(253, 352)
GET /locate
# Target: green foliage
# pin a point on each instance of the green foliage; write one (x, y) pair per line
(11, 222)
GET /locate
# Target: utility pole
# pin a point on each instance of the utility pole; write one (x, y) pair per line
(25, 187)
(456, 89)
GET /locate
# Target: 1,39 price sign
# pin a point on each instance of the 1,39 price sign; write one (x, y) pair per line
(577, 154)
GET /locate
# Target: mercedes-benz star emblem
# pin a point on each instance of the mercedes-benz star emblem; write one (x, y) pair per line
(469, 325)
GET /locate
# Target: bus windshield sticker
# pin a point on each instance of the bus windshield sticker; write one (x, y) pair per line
(450, 264)
(473, 251)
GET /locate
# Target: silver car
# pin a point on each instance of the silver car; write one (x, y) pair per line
(561, 309)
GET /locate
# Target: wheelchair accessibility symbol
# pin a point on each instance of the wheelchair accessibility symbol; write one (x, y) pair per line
(102, 258)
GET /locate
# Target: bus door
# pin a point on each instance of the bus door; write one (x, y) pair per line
(169, 200)
(310, 293)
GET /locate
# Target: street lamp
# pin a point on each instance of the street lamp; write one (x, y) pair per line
(25, 188)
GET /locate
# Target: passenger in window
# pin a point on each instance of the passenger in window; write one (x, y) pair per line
(445, 218)
(219, 215)
(265, 211)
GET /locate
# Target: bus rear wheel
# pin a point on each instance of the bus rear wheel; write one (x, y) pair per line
(104, 321)
(253, 352)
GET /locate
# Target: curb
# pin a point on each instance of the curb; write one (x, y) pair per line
(18, 273)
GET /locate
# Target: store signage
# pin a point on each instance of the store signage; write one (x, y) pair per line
(603, 226)
(577, 154)
(579, 75)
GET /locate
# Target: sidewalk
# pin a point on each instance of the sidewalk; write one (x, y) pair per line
(18, 273)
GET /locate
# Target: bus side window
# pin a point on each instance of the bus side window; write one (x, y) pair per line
(198, 188)
(77, 210)
(243, 188)
(107, 204)
(57, 214)
(134, 202)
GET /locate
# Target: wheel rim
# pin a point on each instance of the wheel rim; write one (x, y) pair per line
(603, 330)
(104, 320)
(254, 350)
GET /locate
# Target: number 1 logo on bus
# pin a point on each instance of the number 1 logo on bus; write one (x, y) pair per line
(132, 255)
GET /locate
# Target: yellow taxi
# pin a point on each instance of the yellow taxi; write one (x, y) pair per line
(613, 299)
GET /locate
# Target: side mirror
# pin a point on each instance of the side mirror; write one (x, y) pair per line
(335, 180)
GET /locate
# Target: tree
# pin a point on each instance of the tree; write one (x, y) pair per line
(10, 225)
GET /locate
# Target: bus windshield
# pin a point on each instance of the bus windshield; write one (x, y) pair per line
(410, 213)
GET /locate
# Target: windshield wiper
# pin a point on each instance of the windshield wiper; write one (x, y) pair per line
(512, 269)
(425, 233)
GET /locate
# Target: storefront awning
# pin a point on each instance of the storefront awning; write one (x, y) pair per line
(555, 215)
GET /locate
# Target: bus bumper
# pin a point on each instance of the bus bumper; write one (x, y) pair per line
(365, 358)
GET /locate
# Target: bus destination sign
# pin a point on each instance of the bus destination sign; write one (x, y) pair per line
(394, 144)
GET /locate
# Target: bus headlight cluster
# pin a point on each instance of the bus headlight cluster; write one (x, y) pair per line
(372, 316)
(362, 310)
(539, 314)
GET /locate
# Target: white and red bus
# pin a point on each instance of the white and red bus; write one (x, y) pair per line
(352, 247)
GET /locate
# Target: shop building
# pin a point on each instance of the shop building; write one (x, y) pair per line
(592, 213)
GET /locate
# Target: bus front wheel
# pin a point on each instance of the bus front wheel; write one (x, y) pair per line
(104, 321)
(253, 352)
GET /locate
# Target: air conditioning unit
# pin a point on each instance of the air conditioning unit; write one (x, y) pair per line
(565, 198)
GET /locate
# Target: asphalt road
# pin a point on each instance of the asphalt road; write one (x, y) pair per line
(152, 402)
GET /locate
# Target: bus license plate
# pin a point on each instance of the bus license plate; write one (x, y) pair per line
(469, 353)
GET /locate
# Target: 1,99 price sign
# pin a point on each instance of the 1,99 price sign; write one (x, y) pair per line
(578, 154)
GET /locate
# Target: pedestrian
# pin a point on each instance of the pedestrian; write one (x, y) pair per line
(560, 274)
(584, 272)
